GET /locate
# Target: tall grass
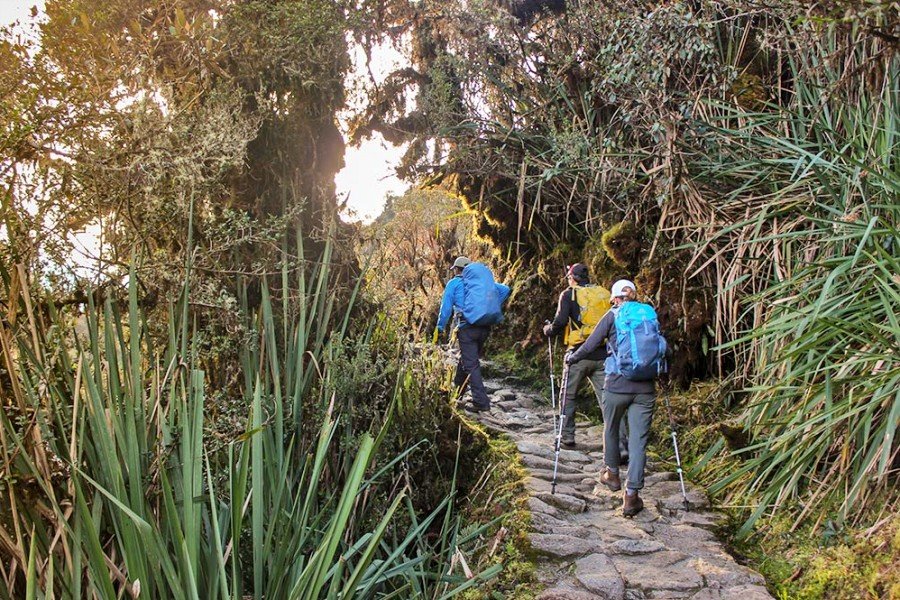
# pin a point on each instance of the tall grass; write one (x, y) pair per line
(111, 487)
(807, 251)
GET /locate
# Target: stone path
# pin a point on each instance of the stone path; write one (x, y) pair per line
(586, 548)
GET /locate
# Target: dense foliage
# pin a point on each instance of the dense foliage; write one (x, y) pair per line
(118, 117)
(738, 159)
(124, 479)
(189, 372)
(196, 408)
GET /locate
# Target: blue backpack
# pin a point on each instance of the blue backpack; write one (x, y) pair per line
(481, 300)
(640, 348)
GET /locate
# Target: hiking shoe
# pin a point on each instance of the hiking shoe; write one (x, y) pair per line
(569, 442)
(632, 505)
(611, 480)
(474, 408)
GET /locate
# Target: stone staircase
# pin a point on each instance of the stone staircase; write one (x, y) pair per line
(586, 548)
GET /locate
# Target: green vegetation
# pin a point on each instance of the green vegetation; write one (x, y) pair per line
(831, 565)
(741, 163)
(499, 496)
(223, 399)
(115, 488)
(799, 561)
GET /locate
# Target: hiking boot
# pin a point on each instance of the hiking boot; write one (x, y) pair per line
(632, 505)
(611, 480)
(568, 441)
(474, 408)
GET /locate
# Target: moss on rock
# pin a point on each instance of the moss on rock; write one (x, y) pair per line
(622, 243)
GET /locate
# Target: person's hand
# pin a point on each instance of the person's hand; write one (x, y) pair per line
(548, 329)
(569, 358)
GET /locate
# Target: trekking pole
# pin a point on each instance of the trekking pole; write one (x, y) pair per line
(687, 505)
(552, 377)
(562, 420)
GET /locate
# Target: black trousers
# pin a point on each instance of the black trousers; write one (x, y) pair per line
(468, 370)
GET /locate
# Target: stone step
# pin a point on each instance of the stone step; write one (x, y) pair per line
(586, 549)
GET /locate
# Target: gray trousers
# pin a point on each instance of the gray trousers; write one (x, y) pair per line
(638, 409)
(593, 371)
(468, 370)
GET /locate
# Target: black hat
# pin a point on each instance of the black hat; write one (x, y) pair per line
(579, 271)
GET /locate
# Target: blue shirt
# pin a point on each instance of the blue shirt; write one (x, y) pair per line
(453, 300)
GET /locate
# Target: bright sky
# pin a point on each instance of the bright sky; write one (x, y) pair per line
(368, 177)
(10, 10)
(369, 174)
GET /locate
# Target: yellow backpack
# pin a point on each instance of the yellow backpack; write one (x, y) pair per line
(593, 301)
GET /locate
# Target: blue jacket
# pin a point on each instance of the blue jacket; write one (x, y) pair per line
(452, 300)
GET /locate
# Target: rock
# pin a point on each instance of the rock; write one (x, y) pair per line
(541, 487)
(647, 528)
(491, 386)
(539, 429)
(548, 451)
(684, 537)
(598, 574)
(667, 487)
(565, 594)
(589, 446)
(636, 547)
(536, 505)
(704, 520)
(605, 498)
(724, 575)
(664, 570)
(615, 529)
(675, 502)
(648, 515)
(594, 432)
(547, 475)
(538, 462)
(526, 401)
(505, 394)
(654, 478)
(544, 523)
(507, 420)
(559, 545)
(564, 501)
(741, 592)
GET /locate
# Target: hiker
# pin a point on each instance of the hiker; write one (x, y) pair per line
(636, 351)
(581, 306)
(472, 293)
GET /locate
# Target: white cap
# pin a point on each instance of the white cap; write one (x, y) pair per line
(618, 288)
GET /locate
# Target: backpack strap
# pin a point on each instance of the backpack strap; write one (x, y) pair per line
(573, 322)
